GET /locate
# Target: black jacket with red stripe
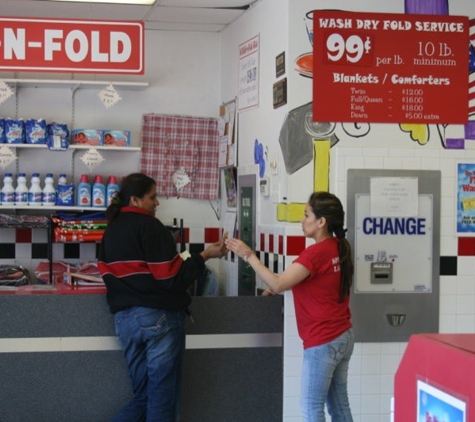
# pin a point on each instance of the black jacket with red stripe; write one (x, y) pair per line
(140, 265)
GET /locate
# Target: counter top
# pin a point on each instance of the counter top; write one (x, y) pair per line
(51, 289)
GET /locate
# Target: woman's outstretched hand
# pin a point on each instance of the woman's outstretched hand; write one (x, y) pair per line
(215, 250)
(238, 247)
(268, 292)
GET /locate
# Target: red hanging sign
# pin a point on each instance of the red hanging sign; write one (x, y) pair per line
(390, 68)
(60, 45)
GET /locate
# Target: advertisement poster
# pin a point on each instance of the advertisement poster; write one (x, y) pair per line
(231, 186)
(389, 68)
(436, 405)
(248, 89)
(465, 174)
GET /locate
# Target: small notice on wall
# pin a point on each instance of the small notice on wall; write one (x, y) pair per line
(394, 197)
(389, 68)
(248, 74)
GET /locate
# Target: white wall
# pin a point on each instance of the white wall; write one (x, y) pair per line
(269, 21)
(385, 146)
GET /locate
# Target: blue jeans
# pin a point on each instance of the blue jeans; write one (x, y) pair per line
(153, 341)
(325, 379)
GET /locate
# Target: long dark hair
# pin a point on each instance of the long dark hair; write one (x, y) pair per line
(325, 204)
(135, 184)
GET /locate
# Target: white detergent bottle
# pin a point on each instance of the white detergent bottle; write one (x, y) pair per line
(8, 192)
(21, 191)
(35, 194)
(49, 191)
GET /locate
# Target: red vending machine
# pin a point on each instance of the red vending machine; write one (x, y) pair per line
(435, 381)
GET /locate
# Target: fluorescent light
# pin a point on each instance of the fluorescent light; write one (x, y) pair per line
(137, 2)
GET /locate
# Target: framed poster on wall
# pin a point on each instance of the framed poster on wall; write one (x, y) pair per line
(279, 93)
(230, 181)
(280, 65)
(465, 199)
(227, 118)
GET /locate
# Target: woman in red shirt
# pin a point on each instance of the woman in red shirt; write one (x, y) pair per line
(320, 280)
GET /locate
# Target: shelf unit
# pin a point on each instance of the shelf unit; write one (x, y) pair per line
(50, 208)
(73, 147)
(35, 225)
(69, 156)
(73, 83)
(73, 86)
(48, 225)
(105, 148)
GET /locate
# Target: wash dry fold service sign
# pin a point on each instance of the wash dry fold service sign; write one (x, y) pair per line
(390, 68)
(61, 45)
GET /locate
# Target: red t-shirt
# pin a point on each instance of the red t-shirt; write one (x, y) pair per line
(321, 317)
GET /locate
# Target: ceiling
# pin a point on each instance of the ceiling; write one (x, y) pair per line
(168, 15)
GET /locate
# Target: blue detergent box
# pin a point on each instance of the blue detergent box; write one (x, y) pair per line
(65, 195)
(14, 131)
(36, 131)
(2, 131)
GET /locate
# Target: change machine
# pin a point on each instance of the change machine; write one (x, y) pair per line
(393, 220)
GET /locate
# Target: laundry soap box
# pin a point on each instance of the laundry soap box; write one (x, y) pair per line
(14, 131)
(116, 138)
(87, 137)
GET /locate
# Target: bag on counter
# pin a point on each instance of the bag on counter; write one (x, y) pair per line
(206, 284)
(14, 275)
(42, 271)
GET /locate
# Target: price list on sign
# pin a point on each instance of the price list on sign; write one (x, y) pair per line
(390, 68)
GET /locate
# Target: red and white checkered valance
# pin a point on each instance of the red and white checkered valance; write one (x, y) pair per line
(181, 153)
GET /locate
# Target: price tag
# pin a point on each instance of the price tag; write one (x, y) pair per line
(7, 156)
(349, 49)
(109, 96)
(180, 179)
(390, 68)
(5, 92)
(92, 158)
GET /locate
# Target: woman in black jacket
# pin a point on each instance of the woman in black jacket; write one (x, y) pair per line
(147, 282)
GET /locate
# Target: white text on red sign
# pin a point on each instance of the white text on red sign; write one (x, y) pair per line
(82, 46)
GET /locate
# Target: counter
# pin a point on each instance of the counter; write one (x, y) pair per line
(60, 360)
